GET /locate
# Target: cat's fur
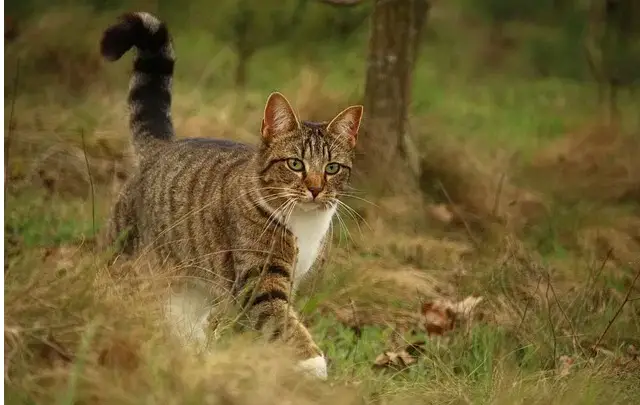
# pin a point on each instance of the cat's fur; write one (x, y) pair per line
(245, 219)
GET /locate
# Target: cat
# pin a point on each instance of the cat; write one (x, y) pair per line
(249, 220)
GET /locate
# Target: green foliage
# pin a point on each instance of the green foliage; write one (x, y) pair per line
(41, 220)
(251, 25)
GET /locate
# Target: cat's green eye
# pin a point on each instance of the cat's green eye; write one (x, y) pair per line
(332, 168)
(295, 164)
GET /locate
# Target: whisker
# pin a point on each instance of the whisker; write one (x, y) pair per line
(353, 213)
(354, 218)
(358, 198)
(343, 226)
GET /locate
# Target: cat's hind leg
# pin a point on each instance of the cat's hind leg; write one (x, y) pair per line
(187, 309)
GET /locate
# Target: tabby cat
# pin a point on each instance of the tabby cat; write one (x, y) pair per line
(248, 220)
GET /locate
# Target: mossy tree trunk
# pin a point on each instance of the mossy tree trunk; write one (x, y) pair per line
(387, 160)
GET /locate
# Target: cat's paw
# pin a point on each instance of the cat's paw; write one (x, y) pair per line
(315, 366)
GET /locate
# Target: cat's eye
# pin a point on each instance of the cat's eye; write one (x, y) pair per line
(295, 164)
(332, 168)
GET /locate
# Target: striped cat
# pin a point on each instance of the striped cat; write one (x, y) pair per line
(247, 220)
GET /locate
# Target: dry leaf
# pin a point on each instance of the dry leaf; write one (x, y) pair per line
(440, 316)
(564, 365)
(400, 359)
(441, 212)
(397, 360)
(119, 354)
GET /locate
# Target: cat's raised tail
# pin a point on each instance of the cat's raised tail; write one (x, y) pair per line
(150, 85)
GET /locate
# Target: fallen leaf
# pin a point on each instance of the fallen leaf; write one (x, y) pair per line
(564, 365)
(397, 360)
(119, 354)
(400, 359)
(441, 212)
(440, 316)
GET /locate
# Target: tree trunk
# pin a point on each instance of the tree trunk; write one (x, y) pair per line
(387, 160)
(609, 38)
(242, 65)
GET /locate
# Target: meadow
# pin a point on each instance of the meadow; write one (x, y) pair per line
(528, 201)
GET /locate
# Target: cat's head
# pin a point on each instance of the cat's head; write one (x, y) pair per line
(309, 163)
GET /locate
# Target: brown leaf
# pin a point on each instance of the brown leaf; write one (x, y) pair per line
(396, 360)
(120, 354)
(440, 316)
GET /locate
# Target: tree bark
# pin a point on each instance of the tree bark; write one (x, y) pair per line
(386, 158)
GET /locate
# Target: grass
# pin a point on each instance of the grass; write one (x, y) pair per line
(79, 330)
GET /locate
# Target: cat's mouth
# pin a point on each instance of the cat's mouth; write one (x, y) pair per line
(309, 206)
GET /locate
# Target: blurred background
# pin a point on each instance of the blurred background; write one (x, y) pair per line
(498, 157)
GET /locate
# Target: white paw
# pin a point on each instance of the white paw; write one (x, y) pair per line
(316, 366)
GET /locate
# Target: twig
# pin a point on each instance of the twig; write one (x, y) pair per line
(566, 317)
(615, 316)
(526, 308)
(601, 269)
(590, 284)
(464, 221)
(93, 194)
(357, 328)
(7, 141)
(341, 3)
(496, 201)
(553, 331)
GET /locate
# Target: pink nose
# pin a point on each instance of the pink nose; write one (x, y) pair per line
(315, 191)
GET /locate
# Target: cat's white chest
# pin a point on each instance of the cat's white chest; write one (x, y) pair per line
(309, 228)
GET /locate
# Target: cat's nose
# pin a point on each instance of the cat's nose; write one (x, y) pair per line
(315, 191)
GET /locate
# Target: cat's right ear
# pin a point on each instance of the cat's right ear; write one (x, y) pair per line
(279, 118)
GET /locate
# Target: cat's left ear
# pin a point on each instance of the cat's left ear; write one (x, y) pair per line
(347, 123)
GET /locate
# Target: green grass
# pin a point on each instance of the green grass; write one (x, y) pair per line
(60, 295)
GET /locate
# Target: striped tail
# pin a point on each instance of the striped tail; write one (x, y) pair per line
(150, 85)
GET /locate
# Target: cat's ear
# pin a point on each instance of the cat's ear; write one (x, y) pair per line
(279, 117)
(347, 123)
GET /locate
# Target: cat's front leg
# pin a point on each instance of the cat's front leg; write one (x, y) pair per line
(265, 298)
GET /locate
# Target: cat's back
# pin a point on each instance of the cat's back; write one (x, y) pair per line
(178, 181)
(190, 156)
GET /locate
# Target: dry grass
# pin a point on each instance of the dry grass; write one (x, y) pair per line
(597, 162)
(479, 189)
(101, 343)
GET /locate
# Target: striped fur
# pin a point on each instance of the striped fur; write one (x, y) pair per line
(243, 219)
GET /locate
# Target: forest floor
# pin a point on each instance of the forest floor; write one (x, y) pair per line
(520, 256)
